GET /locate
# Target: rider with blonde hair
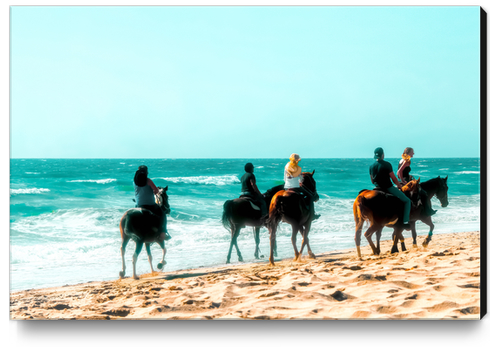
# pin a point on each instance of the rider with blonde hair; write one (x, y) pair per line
(293, 179)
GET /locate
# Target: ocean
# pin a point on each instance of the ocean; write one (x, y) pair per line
(65, 213)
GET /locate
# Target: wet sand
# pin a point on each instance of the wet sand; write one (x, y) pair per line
(441, 281)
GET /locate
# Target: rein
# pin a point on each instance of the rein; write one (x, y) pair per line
(308, 190)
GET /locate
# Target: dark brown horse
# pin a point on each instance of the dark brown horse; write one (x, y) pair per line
(382, 209)
(438, 187)
(142, 226)
(239, 213)
(290, 207)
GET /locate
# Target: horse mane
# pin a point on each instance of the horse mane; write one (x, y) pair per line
(410, 185)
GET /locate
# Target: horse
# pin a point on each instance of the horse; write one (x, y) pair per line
(238, 213)
(435, 186)
(142, 226)
(290, 207)
(382, 209)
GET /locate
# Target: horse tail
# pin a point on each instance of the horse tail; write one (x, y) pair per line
(361, 211)
(225, 217)
(125, 227)
(275, 211)
(121, 224)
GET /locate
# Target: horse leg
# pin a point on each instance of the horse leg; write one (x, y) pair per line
(378, 240)
(306, 240)
(233, 231)
(357, 236)
(297, 255)
(161, 264)
(123, 251)
(371, 230)
(272, 233)
(428, 221)
(240, 258)
(414, 234)
(150, 258)
(137, 251)
(257, 242)
(397, 236)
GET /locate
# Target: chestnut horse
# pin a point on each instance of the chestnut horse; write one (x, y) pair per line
(289, 206)
(438, 187)
(382, 209)
(142, 226)
(238, 213)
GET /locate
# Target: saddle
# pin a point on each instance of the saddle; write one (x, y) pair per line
(251, 201)
(388, 195)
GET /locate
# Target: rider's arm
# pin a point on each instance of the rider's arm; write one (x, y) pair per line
(254, 185)
(153, 186)
(393, 178)
(399, 173)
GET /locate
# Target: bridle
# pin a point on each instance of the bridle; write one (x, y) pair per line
(308, 190)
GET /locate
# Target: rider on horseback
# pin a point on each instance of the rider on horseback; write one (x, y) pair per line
(250, 190)
(293, 179)
(403, 174)
(381, 173)
(144, 190)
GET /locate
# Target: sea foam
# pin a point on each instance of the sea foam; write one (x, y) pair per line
(208, 180)
(28, 191)
(103, 181)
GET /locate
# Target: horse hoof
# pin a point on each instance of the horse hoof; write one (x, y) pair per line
(160, 266)
(415, 246)
(240, 259)
(136, 278)
(121, 274)
(261, 256)
(312, 256)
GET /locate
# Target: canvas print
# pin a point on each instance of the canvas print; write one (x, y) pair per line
(246, 163)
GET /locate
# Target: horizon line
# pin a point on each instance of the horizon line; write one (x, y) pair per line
(224, 158)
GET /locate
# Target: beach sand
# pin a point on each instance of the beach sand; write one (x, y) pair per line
(441, 281)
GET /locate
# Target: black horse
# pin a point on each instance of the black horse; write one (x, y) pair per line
(438, 187)
(239, 213)
(289, 206)
(142, 226)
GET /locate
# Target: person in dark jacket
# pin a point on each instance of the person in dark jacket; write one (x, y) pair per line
(382, 175)
(250, 189)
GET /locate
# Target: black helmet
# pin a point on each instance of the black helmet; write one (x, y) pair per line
(249, 167)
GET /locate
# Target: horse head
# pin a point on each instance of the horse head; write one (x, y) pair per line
(411, 189)
(309, 184)
(441, 192)
(162, 199)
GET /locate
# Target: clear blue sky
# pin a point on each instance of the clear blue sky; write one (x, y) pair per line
(244, 82)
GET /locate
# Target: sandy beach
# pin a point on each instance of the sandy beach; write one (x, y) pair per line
(441, 281)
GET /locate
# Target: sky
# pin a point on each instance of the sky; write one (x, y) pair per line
(244, 82)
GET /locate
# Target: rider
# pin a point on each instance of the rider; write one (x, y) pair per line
(403, 174)
(249, 188)
(293, 179)
(144, 191)
(381, 173)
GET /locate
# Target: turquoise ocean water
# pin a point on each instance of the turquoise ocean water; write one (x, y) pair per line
(64, 213)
